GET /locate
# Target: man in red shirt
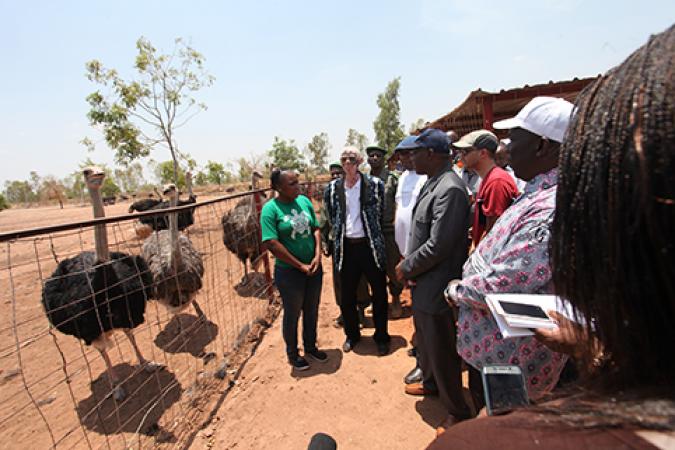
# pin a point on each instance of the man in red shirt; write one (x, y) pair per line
(497, 189)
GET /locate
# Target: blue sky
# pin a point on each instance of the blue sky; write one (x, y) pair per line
(294, 69)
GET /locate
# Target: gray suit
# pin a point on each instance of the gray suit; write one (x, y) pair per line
(438, 247)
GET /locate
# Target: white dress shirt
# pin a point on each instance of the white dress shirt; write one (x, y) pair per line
(354, 224)
(409, 186)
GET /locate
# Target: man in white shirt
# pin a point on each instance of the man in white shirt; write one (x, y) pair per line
(503, 160)
(409, 186)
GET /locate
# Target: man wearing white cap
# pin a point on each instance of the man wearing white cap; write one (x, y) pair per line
(513, 256)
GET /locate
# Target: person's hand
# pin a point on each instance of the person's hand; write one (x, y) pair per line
(314, 265)
(450, 291)
(567, 338)
(399, 272)
(306, 269)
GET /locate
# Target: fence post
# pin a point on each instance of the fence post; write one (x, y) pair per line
(265, 255)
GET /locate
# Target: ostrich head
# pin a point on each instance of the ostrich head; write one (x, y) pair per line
(169, 189)
(93, 177)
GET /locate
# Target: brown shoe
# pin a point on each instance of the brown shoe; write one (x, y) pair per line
(418, 389)
(447, 423)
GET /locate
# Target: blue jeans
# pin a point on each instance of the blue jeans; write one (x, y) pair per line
(299, 293)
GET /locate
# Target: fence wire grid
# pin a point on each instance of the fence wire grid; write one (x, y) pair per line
(55, 391)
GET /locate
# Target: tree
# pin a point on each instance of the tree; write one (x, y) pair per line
(356, 139)
(136, 115)
(388, 128)
(19, 192)
(215, 173)
(4, 204)
(417, 125)
(286, 155)
(317, 151)
(164, 171)
(52, 189)
(130, 177)
(109, 188)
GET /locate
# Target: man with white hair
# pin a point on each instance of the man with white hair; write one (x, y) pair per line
(355, 207)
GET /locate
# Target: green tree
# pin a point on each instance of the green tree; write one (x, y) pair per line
(165, 173)
(215, 173)
(317, 151)
(200, 178)
(356, 139)
(18, 191)
(137, 114)
(109, 188)
(4, 204)
(387, 125)
(130, 177)
(286, 155)
(52, 189)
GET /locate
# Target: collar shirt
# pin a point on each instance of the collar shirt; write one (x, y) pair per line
(409, 186)
(512, 258)
(354, 224)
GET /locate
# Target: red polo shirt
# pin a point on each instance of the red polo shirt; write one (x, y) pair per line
(496, 193)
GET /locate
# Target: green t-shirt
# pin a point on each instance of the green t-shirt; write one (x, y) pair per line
(291, 224)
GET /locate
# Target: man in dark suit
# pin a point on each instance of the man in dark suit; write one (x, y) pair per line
(437, 249)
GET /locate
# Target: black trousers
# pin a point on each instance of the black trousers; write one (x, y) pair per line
(358, 260)
(439, 361)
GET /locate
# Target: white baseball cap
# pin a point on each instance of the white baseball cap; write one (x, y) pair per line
(544, 116)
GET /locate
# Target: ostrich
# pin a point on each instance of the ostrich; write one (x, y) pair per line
(241, 230)
(185, 218)
(91, 295)
(175, 264)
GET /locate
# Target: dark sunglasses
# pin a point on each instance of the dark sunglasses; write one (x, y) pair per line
(349, 159)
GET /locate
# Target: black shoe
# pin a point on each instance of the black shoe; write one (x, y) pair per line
(317, 355)
(298, 363)
(412, 352)
(383, 348)
(414, 376)
(348, 345)
(339, 322)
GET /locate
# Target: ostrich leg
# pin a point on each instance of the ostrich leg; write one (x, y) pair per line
(206, 356)
(199, 311)
(117, 391)
(148, 366)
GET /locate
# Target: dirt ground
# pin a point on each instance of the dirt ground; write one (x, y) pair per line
(54, 389)
(357, 397)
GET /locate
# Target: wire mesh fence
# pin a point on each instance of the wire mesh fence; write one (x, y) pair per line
(58, 391)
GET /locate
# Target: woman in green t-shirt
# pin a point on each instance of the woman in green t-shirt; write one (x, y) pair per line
(291, 232)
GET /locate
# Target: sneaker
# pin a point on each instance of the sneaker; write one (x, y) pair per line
(317, 355)
(298, 362)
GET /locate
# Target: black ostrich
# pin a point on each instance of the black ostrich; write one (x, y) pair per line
(185, 218)
(176, 265)
(241, 231)
(91, 295)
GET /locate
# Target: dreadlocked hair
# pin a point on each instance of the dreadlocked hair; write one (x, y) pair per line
(612, 249)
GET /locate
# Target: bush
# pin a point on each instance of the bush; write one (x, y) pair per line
(4, 204)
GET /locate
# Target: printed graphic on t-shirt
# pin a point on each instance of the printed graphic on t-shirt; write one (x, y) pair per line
(299, 221)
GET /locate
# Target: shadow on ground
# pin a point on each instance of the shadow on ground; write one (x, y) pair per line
(367, 347)
(196, 335)
(253, 285)
(315, 367)
(148, 396)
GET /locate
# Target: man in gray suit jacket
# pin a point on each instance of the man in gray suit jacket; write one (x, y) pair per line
(437, 249)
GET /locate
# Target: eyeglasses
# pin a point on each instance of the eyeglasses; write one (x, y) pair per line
(348, 159)
(467, 150)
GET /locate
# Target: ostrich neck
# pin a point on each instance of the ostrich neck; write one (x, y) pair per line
(100, 232)
(173, 232)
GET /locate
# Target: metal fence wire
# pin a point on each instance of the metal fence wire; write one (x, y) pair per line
(57, 391)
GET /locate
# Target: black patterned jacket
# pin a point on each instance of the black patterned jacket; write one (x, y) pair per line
(372, 210)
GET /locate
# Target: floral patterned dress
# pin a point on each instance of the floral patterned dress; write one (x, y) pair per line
(512, 258)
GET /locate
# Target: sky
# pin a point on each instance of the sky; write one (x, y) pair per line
(293, 69)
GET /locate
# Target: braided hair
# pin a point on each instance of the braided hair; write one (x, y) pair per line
(612, 245)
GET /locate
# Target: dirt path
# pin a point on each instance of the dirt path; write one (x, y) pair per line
(355, 397)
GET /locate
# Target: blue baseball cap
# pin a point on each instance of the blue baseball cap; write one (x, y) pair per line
(434, 140)
(408, 143)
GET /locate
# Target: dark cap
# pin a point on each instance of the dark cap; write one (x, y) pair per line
(375, 148)
(434, 140)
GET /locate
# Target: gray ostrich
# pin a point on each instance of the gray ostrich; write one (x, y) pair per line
(93, 294)
(241, 230)
(176, 266)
